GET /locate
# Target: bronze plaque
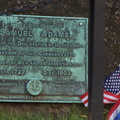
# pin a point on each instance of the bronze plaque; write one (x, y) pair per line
(43, 59)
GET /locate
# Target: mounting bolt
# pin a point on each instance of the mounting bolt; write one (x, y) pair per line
(81, 23)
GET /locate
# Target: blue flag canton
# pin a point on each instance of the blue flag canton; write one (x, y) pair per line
(112, 83)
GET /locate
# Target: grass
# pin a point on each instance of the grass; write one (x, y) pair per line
(73, 114)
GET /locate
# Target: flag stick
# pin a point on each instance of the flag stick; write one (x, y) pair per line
(96, 59)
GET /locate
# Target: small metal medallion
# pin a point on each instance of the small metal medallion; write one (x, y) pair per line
(34, 87)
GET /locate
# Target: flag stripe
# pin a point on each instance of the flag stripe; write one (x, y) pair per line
(84, 95)
(107, 98)
(110, 97)
(115, 110)
(111, 94)
(84, 99)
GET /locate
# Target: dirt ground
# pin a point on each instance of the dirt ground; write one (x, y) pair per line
(72, 8)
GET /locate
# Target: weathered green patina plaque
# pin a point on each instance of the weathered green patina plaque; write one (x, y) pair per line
(43, 59)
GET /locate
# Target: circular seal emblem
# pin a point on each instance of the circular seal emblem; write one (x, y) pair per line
(34, 87)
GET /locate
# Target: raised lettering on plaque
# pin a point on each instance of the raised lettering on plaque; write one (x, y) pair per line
(43, 59)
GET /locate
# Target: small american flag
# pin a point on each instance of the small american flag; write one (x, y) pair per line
(112, 83)
(111, 89)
